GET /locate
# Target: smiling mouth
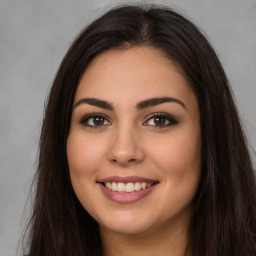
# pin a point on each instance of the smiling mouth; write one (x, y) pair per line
(127, 187)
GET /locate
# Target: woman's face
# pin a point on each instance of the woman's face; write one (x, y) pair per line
(134, 146)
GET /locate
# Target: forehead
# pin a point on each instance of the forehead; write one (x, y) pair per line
(132, 74)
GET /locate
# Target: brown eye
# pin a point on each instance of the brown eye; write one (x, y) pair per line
(95, 120)
(160, 120)
(98, 120)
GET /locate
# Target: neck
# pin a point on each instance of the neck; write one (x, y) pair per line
(164, 242)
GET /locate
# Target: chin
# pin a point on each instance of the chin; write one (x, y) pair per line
(126, 224)
(126, 229)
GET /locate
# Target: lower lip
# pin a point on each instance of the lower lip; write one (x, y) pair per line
(126, 197)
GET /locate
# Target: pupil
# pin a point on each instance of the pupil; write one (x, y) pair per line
(98, 120)
(159, 121)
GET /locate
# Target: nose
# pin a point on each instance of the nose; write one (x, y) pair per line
(126, 148)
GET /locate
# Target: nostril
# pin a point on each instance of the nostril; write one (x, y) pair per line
(129, 161)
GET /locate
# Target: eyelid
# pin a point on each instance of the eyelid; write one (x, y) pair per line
(87, 117)
(172, 120)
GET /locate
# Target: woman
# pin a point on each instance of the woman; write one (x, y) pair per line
(142, 151)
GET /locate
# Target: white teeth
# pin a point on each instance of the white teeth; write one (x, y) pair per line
(127, 187)
(120, 187)
(149, 185)
(144, 185)
(114, 186)
(109, 185)
(137, 186)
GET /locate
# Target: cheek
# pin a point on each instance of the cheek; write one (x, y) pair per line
(178, 156)
(84, 158)
(83, 154)
(179, 161)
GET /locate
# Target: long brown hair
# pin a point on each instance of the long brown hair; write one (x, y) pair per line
(223, 221)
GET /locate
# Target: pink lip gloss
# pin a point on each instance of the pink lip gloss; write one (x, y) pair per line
(126, 197)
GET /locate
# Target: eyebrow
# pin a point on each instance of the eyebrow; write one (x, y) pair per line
(95, 102)
(157, 101)
(141, 105)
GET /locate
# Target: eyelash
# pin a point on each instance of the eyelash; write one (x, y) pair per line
(85, 119)
(166, 117)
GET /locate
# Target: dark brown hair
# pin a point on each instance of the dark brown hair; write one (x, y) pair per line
(223, 221)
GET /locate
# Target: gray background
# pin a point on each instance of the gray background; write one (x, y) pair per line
(34, 37)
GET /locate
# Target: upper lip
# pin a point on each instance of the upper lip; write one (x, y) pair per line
(126, 179)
